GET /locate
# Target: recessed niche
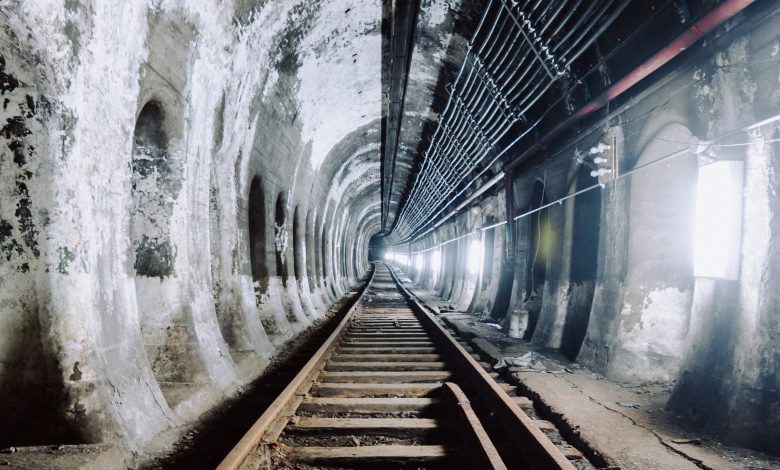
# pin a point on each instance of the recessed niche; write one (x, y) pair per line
(256, 219)
(167, 331)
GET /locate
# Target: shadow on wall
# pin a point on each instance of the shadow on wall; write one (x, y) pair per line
(538, 253)
(232, 322)
(34, 403)
(256, 219)
(280, 238)
(583, 264)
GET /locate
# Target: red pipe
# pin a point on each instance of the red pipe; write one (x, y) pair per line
(715, 18)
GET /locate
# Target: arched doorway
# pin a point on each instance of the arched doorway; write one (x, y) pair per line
(258, 248)
(586, 225)
(540, 241)
(166, 328)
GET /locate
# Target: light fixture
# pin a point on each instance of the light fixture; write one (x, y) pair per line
(599, 148)
(600, 172)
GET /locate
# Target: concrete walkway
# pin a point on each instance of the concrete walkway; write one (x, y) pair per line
(598, 412)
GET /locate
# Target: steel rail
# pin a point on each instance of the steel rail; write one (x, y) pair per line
(542, 453)
(537, 450)
(282, 405)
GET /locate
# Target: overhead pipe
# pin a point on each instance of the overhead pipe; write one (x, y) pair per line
(493, 129)
(712, 20)
(467, 96)
(685, 151)
(403, 30)
(474, 195)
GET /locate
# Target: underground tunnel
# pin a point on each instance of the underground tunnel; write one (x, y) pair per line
(556, 222)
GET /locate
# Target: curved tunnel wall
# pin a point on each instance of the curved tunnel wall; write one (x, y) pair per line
(617, 288)
(196, 229)
(243, 146)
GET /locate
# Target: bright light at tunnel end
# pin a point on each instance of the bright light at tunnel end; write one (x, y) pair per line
(475, 256)
(718, 220)
(436, 261)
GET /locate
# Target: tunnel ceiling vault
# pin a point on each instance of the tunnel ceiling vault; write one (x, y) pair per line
(486, 77)
(420, 55)
(399, 20)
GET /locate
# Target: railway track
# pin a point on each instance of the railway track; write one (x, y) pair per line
(390, 388)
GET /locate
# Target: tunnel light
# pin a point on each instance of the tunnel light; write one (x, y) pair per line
(475, 256)
(718, 221)
(600, 172)
(418, 262)
(599, 148)
(436, 261)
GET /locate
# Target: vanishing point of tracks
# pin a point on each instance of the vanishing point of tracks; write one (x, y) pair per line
(390, 388)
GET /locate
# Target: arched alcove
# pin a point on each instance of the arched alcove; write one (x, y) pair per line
(282, 243)
(434, 264)
(281, 237)
(539, 242)
(301, 285)
(167, 330)
(156, 178)
(258, 247)
(489, 236)
(586, 226)
(659, 269)
(330, 262)
(482, 296)
(299, 247)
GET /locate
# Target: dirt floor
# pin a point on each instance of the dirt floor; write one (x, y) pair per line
(63, 457)
(625, 423)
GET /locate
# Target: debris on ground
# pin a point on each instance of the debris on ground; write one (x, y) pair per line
(696, 442)
(628, 405)
(530, 361)
(526, 360)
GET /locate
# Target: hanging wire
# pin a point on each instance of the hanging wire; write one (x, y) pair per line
(516, 54)
(687, 150)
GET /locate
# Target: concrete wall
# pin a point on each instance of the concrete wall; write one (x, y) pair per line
(617, 267)
(187, 185)
(130, 299)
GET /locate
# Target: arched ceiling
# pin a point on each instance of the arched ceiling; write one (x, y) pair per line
(421, 100)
